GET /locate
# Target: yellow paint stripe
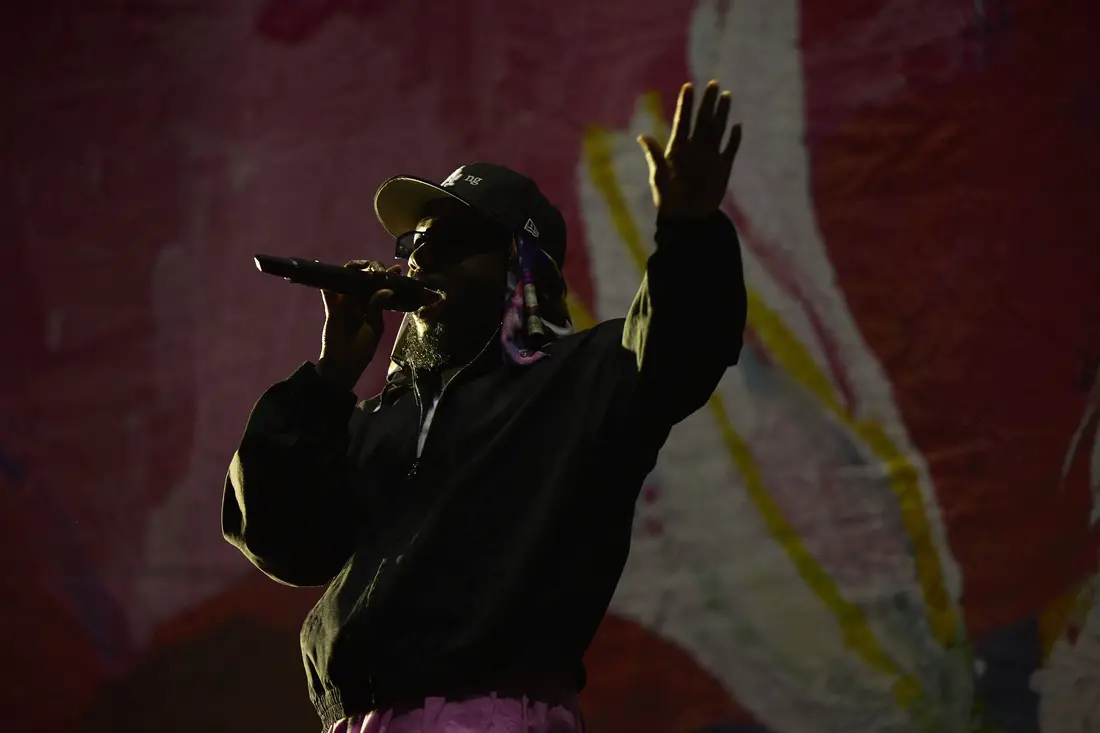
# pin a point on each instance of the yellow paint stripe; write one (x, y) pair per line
(793, 357)
(1058, 614)
(857, 632)
(654, 107)
(601, 168)
(903, 475)
(579, 313)
(852, 620)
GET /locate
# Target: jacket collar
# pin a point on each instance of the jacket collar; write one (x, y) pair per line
(402, 378)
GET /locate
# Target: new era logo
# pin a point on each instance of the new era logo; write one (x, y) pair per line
(530, 227)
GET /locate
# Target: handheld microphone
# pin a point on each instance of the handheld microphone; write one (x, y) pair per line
(408, 294)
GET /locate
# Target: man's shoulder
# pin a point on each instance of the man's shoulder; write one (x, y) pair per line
(604, 335)
(599, 348)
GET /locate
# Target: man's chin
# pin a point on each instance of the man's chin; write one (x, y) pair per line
(429, 318)
(433, 309)
(424, 349)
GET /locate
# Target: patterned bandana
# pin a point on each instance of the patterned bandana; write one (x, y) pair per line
(523, 330)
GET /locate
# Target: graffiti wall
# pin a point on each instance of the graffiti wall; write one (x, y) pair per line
(884, 520)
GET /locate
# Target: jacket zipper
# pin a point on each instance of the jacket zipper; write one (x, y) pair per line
(419, 431)
(420, 446)
(422, 434)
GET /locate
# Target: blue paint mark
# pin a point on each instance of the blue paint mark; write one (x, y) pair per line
(991, 19)
(1010, 656)
(73, 575)
(981, 22)
(76, 580)
(11, 468)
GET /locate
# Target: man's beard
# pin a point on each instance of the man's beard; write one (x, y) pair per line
(424, 348)
(448, 338)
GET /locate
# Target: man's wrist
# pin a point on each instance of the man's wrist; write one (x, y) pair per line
(699, 216)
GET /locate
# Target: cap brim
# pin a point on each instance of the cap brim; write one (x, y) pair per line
(400, 202)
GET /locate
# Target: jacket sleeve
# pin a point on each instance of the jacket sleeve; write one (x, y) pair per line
(687, 322)
(286, 504)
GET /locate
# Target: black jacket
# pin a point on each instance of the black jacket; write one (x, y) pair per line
(500, 552)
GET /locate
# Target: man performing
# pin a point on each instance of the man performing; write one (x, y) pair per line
(473, 520)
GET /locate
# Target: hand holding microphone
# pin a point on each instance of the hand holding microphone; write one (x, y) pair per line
(353, 329)
(353, 279)
(354, 296)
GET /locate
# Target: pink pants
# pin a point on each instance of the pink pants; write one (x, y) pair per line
(489, 714)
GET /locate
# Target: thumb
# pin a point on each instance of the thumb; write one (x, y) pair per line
(655, 156)
(378, 302)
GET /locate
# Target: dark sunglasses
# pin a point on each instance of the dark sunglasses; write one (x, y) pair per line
(450, 242)
(405, 244)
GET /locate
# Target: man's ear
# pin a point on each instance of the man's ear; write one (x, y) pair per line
(548, 279)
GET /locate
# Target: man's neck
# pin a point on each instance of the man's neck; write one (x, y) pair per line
(443, 350)
(471, 348)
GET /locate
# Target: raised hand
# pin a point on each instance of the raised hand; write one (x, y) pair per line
(689, 178)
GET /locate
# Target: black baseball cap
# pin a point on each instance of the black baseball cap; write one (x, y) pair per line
(498, 192)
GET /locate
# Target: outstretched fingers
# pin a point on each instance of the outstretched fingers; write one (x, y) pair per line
(729, 153)
(713, 116)
(681, 122)
(658, 166)
(721, 119)
(704, 120)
